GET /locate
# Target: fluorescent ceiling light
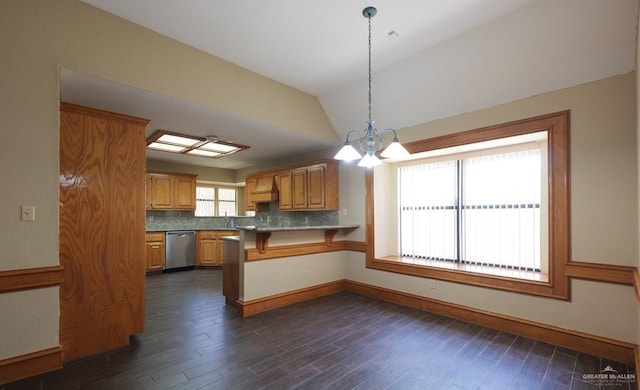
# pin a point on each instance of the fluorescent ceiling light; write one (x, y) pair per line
(204, 153)
(166, 147)
(218, 147)
(178, 140)
(168, 141)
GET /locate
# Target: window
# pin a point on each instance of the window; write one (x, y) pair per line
(212, 201)
(478, 208)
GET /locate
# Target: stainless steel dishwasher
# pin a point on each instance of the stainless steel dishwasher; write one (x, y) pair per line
(180, 249)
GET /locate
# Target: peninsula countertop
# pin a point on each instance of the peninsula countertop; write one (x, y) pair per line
(295, 228)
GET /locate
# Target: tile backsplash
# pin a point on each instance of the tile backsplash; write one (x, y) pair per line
(185, 220)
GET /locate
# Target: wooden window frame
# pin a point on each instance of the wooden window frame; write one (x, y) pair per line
(216, 201)
(556, 285)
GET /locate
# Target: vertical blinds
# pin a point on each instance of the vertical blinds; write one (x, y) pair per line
(479, 210)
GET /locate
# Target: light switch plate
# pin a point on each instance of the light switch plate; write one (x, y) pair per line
(28, 213)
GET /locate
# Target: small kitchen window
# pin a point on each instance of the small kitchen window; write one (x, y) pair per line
(216, 201)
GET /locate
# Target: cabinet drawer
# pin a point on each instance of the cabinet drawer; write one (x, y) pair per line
(207, 235)
(223, 233)
(153, 237)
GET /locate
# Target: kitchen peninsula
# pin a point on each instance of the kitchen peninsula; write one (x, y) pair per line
(295, 259)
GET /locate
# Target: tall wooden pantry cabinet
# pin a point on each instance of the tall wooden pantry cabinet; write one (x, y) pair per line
(102, 229)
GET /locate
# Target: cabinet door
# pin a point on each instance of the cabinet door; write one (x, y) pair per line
(220, 244)
(299, 185)
(185, 193)
(208, 252)
(161, 192)
(285, 200)
(316, 187)
(155, 256)
(250, 185)
(205, 248)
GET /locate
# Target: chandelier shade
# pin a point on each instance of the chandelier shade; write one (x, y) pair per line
(370, 141)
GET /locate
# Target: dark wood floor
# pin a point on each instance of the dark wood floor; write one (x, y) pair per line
(344, 341)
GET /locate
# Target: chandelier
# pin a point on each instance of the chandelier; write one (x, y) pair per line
(370, 141)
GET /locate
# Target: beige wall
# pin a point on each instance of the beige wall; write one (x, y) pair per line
(604, 214)
(37, 38)
(217, 175)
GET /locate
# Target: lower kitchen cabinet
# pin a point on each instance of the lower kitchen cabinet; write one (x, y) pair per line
(209, 247)
(155, 252)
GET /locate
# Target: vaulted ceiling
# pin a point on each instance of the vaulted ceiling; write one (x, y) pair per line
(431, 59)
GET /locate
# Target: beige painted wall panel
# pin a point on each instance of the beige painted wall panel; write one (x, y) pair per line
(269, 277)
(217, 175)
(31, 309)
(596, 308)
(352, 198)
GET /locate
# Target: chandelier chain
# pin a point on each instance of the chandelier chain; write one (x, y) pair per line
(369, 17)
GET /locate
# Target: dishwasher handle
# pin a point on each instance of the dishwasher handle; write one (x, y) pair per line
(181, 233)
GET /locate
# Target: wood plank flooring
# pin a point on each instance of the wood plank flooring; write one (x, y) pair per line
(344, 341)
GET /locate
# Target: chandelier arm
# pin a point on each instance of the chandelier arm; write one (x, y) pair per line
(347, 140)
(395, 135)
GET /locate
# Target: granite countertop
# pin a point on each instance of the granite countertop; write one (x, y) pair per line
(212, 229)
(293, 228)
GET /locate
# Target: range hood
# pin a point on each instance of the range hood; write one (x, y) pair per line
(265, 190)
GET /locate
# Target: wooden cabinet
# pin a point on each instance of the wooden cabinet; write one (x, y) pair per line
(167, 191)
(285, 193)
(155, 252)
(209, 247)
(250, 185)
(101, 229)
(231, 272)
(299, 188)
(312, 187)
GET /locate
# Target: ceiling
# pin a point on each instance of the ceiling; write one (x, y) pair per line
(445, 58)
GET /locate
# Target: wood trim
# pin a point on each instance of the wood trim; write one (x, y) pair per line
(583, 342)
(636, 354)
(249, 308)
(355, 246)
(30, 364)
(601, 272)
(636, 287)
(262, 253)
(28, 278)
(70, 107)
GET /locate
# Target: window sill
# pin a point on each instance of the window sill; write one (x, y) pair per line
(470, 268)
(525, 282)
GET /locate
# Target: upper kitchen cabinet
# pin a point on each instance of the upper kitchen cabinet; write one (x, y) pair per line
(171, 191)
(305, 187)
(315, 186)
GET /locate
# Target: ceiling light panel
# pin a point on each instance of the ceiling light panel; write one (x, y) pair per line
(178, 140)
(168, 141)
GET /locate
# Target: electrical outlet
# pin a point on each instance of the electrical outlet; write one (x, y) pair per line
(306, 220)
(431, 283)
(344, 212)
(306, 274)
